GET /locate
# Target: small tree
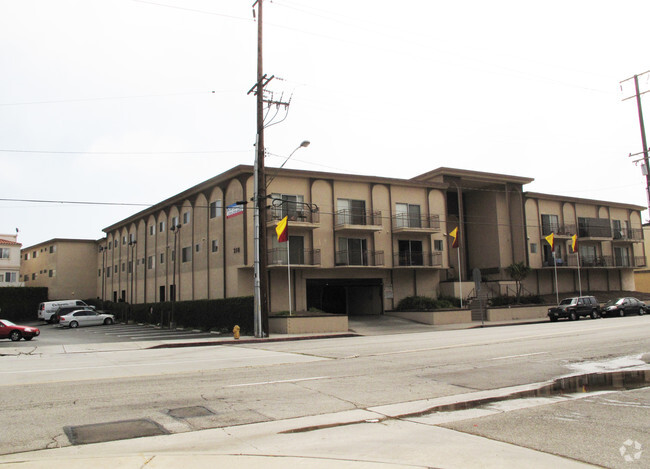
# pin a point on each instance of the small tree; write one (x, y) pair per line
(518, 272)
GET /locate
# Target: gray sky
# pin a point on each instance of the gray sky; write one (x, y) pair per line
(131, 102)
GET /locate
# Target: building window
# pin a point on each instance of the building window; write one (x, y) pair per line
(174, 222)
(52, 249)
(292, 206)
(186, 254)
(10, 277)
(162, 258)
(4, 253)
(215, 245)
(34, 254)
(161, 226)
(131, 237)
(27, 256)
(352, 251)
(186, 218)
(350, 212)
(410, 252)
(215, 209)
(33, 276)
(99, 272)
(407, 216)
(123, 266)
(533, 248)
(437, 245)
(26, 278)
(150, 262)
(115, 268)
(550, 224)
(108, 272)
(52, 273)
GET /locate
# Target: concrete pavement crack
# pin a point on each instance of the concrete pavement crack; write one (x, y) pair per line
(148, 461)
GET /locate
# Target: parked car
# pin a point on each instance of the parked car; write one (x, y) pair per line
(9, 330)
(62, 311)
(575, 307)
(624, 306)
(85, 317)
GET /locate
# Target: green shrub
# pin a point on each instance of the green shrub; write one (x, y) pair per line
(20, 304)
(220, 315)
(425, 303)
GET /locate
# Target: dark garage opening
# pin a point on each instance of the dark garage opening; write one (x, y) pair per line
(346, 296)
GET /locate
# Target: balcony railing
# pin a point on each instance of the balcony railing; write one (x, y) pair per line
(358, 217)
(418, 259)
(559, 230)
(294, 215)
(594, 228)
(404, 220)
(627, 234)
(278, 256)
(359, 257)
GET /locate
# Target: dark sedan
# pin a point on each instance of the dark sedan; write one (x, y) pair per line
(9, 330)
(624, 306)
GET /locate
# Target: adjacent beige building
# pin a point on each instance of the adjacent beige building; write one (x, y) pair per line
(67, 267)
(10, 261)
(359, 244)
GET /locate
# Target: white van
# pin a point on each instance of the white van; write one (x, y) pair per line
(47, 309)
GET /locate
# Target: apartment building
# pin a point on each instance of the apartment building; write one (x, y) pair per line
(359, 244)
(10, 261)
(67, 267)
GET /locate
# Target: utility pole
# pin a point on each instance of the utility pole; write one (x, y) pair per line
(260, 285)
(644, 142)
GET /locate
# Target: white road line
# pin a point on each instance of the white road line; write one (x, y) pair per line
(518, 356)
(277, 382)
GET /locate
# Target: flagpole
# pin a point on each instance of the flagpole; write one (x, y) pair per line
(289, 273)
(460, 279)
(579, 280)
(557, 294)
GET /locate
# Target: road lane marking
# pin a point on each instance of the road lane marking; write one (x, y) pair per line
(518, 356)
(297, 380)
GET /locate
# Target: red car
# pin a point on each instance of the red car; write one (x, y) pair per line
(9, 330)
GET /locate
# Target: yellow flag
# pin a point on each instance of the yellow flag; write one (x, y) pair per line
(549, 238)
(574, 242)
(454, 234)
(281, 230)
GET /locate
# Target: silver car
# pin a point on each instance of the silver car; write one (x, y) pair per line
(85, 318)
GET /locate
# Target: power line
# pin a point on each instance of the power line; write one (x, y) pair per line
(55, 152)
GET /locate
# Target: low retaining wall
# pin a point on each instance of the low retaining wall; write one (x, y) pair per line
(519, 312)
(460, 316)
(456, 316)
(307, 324)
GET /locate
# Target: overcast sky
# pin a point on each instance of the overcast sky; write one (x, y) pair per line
(125, 102)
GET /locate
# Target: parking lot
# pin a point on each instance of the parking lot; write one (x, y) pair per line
(52, 334)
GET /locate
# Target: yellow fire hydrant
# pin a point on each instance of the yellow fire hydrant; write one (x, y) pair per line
(235, 331)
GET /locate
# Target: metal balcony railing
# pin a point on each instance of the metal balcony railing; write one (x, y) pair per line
(293, 214)
(358, 217)
(418, 259)
(278, 256)
(359, 257)
(404, 220)
(559, 230)
(625, 234)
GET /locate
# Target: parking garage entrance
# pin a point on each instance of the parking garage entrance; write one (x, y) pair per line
(346, 296)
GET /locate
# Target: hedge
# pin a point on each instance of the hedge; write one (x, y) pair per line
(216, 315)
(425, 303)
(20, 304)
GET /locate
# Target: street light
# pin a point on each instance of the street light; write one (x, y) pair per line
(103, 250)
(176, 230)
(260, 285)
(132, 244)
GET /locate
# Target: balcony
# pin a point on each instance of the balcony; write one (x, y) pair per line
(358, 220)
(627, 234)
(297, 218)
(594, 228)
(417, 259)
(403, 223)
(302, 257)
(360, 258)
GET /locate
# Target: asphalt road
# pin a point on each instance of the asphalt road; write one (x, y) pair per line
(244, 384)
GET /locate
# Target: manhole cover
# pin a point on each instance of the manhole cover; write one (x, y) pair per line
(189, 412)
(111, 431)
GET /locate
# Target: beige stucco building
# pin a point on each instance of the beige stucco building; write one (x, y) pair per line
(10, 261)
(67, 267)
(359, 244)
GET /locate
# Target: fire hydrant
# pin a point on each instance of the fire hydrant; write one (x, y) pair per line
(235, 331)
